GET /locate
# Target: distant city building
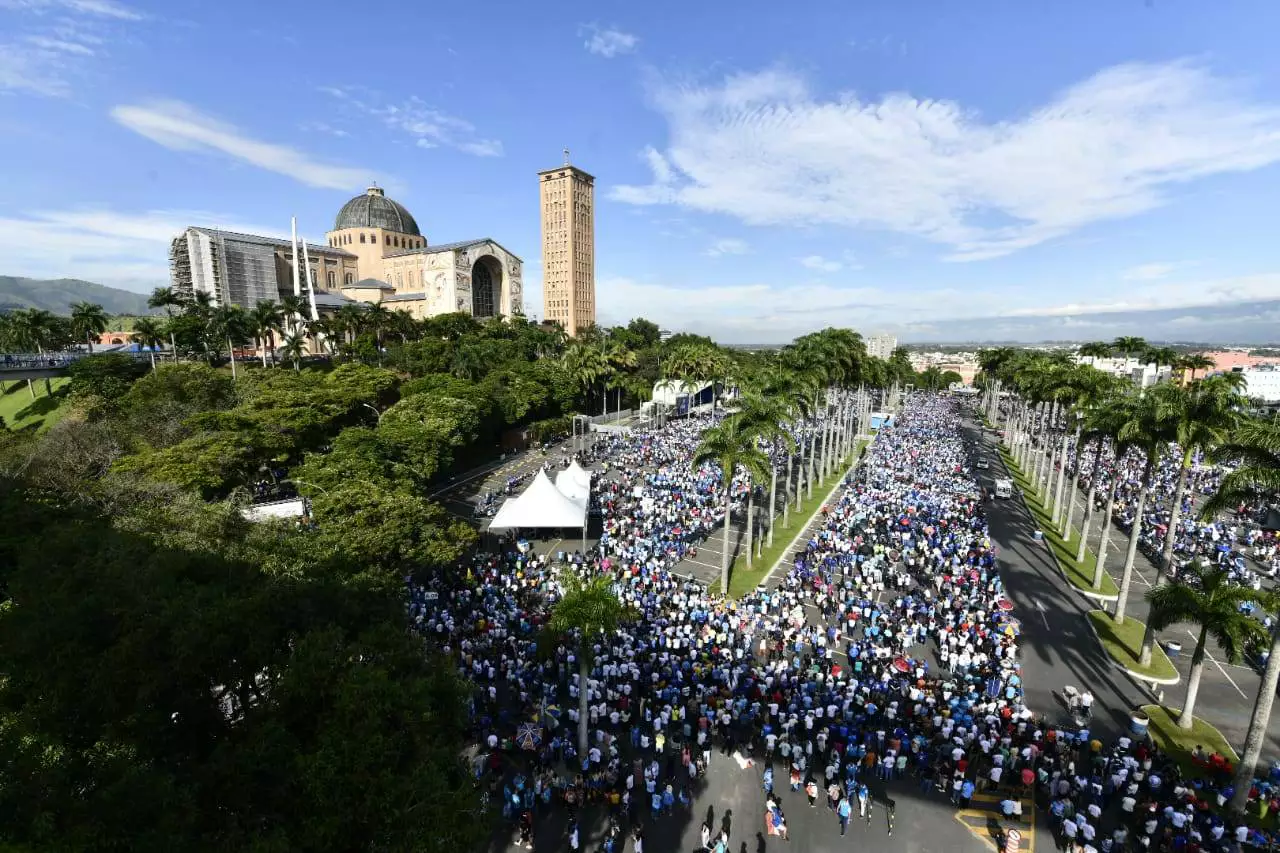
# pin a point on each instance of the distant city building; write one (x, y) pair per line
(375, 253)
(665, 334)
(567, 208)
(881, 346)
(1141, 374)
(1261, 382)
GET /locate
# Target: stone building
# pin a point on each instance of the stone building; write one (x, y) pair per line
(374, 253)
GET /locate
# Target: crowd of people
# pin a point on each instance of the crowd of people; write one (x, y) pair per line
(886, 656)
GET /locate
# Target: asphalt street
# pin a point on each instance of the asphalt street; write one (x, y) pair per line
(1227, 690)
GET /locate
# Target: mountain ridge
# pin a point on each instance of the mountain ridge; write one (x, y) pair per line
(58, 294)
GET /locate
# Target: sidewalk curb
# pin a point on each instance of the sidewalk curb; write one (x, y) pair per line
(1136, 676)
(764, 581)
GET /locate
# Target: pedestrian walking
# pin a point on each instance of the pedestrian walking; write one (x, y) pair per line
(843, 811)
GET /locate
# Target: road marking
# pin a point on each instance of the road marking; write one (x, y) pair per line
(1214, 661)
(1043, 617)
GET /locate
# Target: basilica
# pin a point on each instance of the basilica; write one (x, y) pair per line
(374, 253)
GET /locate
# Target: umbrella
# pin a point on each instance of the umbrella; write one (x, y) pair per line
(529, 736)
(1011, 628)
(901, 665)
(1005, 604)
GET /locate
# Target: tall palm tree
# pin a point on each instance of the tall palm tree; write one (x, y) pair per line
(1096, 349)
(620, 359)
(762, 416)
(295, 309)
(1205, 597)
(1198, 416)
(265, 319)
(788, 388)
(168, 299)
(33, 327)
(589, 611)
(230, 324)
(1190, 364)
(88, 320)
(1102, 427)
(586, 365)
(294, 347)
(1255, 447)
(1130, 346)
(730, 447)
(1144, 430)
(150, 334)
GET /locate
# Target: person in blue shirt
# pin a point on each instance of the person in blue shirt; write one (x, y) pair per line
(843, 811)
(966, 793)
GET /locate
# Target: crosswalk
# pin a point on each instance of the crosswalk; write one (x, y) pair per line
(984, 820)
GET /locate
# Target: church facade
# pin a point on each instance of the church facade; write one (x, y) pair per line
(374, 253)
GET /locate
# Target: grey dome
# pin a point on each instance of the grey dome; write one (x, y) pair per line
(375, 210)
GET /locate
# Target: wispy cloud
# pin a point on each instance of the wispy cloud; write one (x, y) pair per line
(177, 126)
(608, 41)
(111, 247)
(728, 246)
(49, 44)
(1148, 272)
(1109, 147)
(323, 127)
(427, 126)
(820, 264)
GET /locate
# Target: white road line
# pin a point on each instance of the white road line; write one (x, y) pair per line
(1225, 674)
(1043, 618)
(700, 563)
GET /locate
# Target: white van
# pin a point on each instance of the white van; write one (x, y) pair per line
(1004, 488)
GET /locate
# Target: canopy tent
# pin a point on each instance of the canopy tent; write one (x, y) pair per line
(574, 482)
(541, 505)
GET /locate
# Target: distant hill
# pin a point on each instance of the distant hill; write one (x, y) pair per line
(57, 295)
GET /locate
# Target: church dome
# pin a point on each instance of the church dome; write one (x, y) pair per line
(375, 210)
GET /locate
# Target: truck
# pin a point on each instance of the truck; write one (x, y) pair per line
(1004, 489)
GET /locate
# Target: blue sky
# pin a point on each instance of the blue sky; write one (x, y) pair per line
(762, 169)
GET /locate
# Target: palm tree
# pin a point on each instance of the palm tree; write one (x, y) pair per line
(293, 347)
(294, 308)
(730, 447)
(33, 327)
(590, 611)
(1096, 349)
(168, 299)
(620, 359)
(762, 416)
(1144, 430)
(1192, 363)
(231, 324)
(788, 389)
(1129, 346)
(149, 333)
(265, 319)
(88, 320)
(1198, 416)
(1205, 597)
(1162, 356)
(586, 365)
(1101, 426)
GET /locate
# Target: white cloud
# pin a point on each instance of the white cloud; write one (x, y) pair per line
(110, 247)
(427, 126)
(820, 264)
(1111, 146)
(178, 126)
(608, 42)
(1148, 272)
(50, 45)
(100, 8)
(758, 312)
(323, 127)
(1167, 295)
(728, 246)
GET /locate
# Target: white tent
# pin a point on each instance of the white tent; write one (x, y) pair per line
(541, 505)
(575, 482)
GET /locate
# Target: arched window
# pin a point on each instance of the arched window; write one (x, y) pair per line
(332, 278)
(361, 238)
(349, 278)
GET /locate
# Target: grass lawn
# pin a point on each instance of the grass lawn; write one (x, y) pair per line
(1064, 550)
(743, 580)
(21, 412)
(1180, 743)
(1123, 643)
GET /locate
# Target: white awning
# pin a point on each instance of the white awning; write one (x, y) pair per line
(575, 482)
(539, 506)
